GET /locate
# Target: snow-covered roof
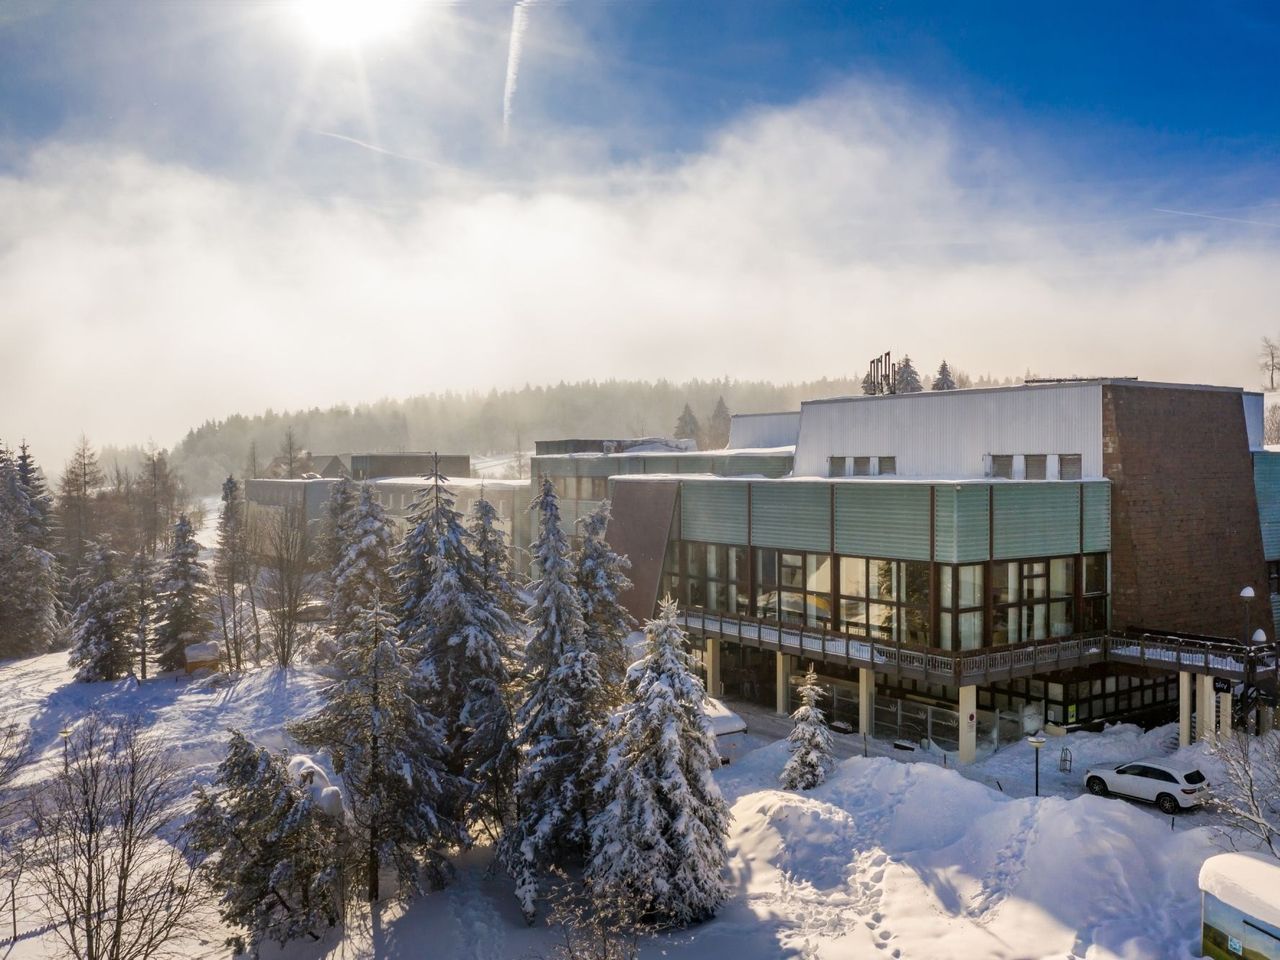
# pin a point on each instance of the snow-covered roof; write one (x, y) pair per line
(783, 451)
(453, 483)
(1247, 881)
(723, 720)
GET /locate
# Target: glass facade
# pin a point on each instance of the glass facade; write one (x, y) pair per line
(916, 603)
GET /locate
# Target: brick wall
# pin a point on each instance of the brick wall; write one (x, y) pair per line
(1185, 531)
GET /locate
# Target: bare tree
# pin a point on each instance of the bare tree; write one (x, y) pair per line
(1269, 360)
(1248, 797)
(1271, 426)
(290, 454)
(288, 555)
(113, 887)
(15, 751)
(593, 926)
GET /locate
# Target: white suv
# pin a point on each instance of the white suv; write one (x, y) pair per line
(1170, 788)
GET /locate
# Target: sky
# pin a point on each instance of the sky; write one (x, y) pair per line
(217, 207)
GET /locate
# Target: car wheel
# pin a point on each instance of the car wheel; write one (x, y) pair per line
(1167, 804)
(1097, 786)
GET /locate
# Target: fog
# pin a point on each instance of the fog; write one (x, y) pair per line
(142, 294)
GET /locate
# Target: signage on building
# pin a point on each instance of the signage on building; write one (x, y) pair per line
(1221, 685)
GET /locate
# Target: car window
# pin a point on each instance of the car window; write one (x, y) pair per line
(1164, 775)
(1195, 776)
(1127, 768)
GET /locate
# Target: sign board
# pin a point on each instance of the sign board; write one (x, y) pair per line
(1221, 685)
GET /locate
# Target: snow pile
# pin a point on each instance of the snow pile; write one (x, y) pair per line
(209, 652)
(311, 775)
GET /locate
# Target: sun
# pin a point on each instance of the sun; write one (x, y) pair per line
(352, 23)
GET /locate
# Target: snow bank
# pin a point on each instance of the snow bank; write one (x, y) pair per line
(1240, 879)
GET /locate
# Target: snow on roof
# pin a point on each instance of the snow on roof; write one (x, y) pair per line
(459, 483)
(202, 652)
(783, 451)
(723, 720)
(1246, 881)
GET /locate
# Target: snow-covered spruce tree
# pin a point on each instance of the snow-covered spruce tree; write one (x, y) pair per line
(908, 380)
(659, 836)
(718, 426)
(601, 578)
(364, 571)
(560, 720)
(140, 585)
(30, 611)
(687, 427)
(389, 754)
(944, 380)
(273, 854)
(486, 731)
(183, 600)
(334, 541)
(101, 638)
(811, 748)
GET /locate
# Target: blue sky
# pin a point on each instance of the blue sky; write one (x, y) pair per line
(993, 182)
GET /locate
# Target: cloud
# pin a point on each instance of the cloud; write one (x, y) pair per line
(141, 297)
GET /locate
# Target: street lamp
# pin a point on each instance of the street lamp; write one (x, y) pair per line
(1037, 741)
(65, 734)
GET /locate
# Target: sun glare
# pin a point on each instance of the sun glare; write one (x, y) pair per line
(352, 23)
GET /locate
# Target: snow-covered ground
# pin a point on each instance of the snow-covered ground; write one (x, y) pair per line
(886, 859)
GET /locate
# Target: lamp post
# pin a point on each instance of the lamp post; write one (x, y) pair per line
(1037, 741)
(65, 734)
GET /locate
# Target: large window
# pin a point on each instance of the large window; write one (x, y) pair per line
(885, 599)
(715, 578)
(1032, 600)
(960, 600)
(793, 587)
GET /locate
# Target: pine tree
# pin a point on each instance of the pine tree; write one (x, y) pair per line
(718, 428)
(30, 612)
(944, 380)
(141, 590)
(687, 427)
(601, 579)
(274, 854)
(907, 381)
(101, 643)
(364, 571)
(76, 489)
(659, 839)
(335, 535)
(870, 385)
(183, 615)
(811, 748)
(560, 719)
(230, 568)
(31, 477)
(389, 753)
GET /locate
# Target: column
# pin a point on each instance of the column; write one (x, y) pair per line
(1205, 711)
(1184, 708)
(968, 708)
(713, 666)
(1266, 719)
(782, 683)
(1224, 713)
(866, 699)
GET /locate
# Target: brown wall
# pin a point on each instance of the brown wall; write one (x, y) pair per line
(639, 524)
(1184, 515)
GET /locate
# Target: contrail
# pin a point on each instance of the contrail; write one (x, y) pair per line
(1209, 216)
(519, 24)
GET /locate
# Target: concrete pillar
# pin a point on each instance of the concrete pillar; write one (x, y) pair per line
(1184, 708)
(968, 708)
(712, 663)
(782, 684)
(1266, 719)
(866, 699)
(1205, 707)
(1224, 713)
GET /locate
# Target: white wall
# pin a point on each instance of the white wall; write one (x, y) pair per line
(755, 430)
(949, 434)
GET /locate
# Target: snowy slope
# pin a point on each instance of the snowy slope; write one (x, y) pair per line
(885, 859)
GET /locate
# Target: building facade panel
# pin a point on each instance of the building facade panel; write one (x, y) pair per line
(1035, 519)
(1266, 482)
(954, 433)
(973, 523)
(795, 515)
(1096, 517)
(755, 430)
(714, 512)
(883, 520)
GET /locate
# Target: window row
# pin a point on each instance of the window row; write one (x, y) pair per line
(581, 488)
(862, 466)
(952, 607)
(1035, 466)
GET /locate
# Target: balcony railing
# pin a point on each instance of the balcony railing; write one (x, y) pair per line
(1170, 652)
